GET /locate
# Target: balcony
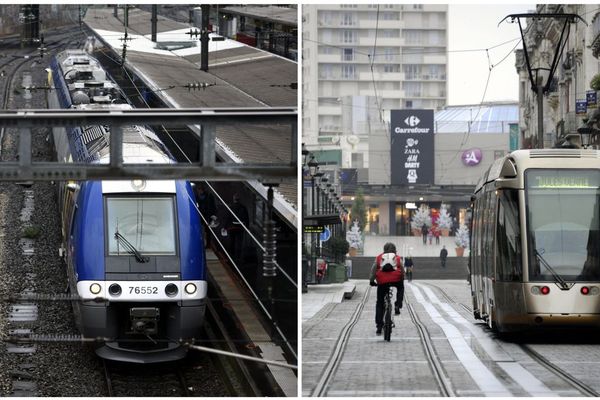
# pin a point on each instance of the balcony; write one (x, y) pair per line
(372, 24)
(382, 76)
(329, 58)
(435, 59)
(381, 41)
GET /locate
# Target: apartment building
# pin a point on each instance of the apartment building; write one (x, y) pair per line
(359, 62)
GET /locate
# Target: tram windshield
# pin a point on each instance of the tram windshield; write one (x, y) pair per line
(148, 224)
(563, 224)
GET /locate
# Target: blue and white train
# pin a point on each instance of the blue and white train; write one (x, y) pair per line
(137, 244)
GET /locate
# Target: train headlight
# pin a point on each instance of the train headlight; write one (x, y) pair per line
(171, 289)
(535, 290)
(595, 290)
(95, 288)
(190, 288)
(114, 289)
(138, 184)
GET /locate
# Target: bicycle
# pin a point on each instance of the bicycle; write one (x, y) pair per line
(388, 322)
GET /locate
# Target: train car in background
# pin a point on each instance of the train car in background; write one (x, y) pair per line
(137, 245)
(535, 241)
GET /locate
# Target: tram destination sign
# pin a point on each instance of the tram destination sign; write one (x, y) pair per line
(412, 158)
(314, 228)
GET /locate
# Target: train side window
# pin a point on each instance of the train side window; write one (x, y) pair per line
(508, 238)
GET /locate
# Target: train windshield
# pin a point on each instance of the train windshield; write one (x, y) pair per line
(148, 224)
(563, 224)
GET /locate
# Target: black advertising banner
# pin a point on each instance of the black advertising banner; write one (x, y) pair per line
(412, 147)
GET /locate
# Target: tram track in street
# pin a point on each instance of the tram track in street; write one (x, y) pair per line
(335, 357)
(444, 383)
(575, 383)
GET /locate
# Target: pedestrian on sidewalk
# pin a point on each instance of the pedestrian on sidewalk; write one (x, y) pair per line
(443, 256)
(436, 234)
(424, 231)
(430, 235)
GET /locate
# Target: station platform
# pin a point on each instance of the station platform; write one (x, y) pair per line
(238, 76)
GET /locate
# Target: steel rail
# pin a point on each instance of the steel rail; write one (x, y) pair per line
(576, 383)
(442, 380)
(338, 350)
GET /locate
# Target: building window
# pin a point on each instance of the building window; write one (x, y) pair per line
(348, 19)
(348, 54)
(412, 71)
(325, 71)
(389, 16)
(389, 68)
(388, 53)
(348, 71)
(357, 160)
(348, 36)
(408, 104)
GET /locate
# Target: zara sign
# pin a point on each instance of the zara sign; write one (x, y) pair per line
(412, 147)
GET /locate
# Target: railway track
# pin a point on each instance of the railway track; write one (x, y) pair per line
(145, 380)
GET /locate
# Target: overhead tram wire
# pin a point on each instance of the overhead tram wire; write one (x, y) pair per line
(466, 136)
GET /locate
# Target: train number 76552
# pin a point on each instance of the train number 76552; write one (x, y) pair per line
(143, 290)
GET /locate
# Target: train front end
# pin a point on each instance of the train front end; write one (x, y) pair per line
(140, 268)
(562, 285)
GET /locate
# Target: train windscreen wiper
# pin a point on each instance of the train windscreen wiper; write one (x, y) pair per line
(557, 277)
(130, 248)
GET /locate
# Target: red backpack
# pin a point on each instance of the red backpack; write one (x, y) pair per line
(384, 275)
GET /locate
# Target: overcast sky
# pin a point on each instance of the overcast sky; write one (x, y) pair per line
(475, 26)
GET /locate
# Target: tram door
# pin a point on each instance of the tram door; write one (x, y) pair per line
(489, 227)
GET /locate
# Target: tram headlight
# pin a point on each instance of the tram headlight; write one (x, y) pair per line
(95, 288)
(190, 288)
(535, 290)
(595, 290)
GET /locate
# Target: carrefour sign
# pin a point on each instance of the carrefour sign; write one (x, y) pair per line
(412, 147)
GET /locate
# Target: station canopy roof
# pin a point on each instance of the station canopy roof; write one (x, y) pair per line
(487, 118)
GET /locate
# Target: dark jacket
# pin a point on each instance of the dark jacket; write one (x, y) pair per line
(408, 262)
(443, 254)
(232, 224)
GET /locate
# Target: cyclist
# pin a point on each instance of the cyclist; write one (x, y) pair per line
(387, 270)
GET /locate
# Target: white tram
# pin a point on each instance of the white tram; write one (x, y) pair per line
(535, 240)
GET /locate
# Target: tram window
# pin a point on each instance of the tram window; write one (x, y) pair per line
(508, 238)
(563, 224)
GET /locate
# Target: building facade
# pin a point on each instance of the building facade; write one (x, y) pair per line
(466, 141)
(571, 101)
(359, 62)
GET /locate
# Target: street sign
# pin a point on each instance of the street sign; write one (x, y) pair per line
(314, 229)
(581, 107)
(325, 235)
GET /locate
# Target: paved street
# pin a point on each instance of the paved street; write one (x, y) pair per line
(342, 355)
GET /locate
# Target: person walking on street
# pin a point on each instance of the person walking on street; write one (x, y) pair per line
(234, 228)
(408, 265)
(443, 256)
(387, 271)
(424, 231)
(437, 233)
